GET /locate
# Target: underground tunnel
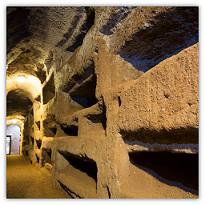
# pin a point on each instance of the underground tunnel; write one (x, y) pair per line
(102, 102)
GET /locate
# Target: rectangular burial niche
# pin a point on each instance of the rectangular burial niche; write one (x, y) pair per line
(175, 169)
(82, 163)
(100, 118)
(50, 128)
(71, 130)
(81, 86)
(46, 155)
(38, 124)
(38, 143)
(187, 135)
(49, 90)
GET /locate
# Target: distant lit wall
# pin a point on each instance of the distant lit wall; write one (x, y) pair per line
(14, 132)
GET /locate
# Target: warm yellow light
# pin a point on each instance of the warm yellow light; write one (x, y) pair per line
(13, 121)
(20, 78)
(30, 84)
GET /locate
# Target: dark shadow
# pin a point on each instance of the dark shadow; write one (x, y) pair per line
(81, 86)
(100, 118)
(187, 135)
(17, 25)
(38, 143)
(49, 90)
(46, 155)
(90, 13)
(38, 124)
(71, 130)
(115, 18)
(68, 191)
(70, 31)
(164, 36)
(82, 163)
(176, 169)
(78, 78)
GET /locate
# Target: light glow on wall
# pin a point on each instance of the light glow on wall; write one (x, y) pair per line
(30, 84)
(19, 121)
(13, 121)
(20, 78)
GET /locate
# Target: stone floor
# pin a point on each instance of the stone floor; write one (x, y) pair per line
(27, 181)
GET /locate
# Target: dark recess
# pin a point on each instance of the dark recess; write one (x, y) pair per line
(90, 12)
(168, 34)
(38, 143)
(46, 154)
(17, 25)
(172, 168)
(188, 135)
(119, 101)
(115, 18)
(41, 74)
(78, 78)
(49, 125)
(38, 98)
(38, 124)
(71, 130)
(85, 93)
(49, 90)
(81, 86)
(70, 31)
(100, 118)
(82, 163)
(53, 130)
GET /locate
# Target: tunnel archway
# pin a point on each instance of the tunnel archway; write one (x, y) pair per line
(29, 84)
(18, 104)
(15, 120)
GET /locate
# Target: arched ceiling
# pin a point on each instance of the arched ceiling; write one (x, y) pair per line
(18, 103)
(30, 84)
(32, 34)
(15, 119)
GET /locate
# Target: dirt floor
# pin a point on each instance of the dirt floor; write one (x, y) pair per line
(27, 181)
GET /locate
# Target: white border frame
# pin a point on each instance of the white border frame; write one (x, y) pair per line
(4, 3)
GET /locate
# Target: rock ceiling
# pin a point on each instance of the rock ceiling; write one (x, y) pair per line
(35, 35)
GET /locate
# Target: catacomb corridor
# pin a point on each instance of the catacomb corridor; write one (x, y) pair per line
(102, 102)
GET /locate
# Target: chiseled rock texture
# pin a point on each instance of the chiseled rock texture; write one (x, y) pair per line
(111, 109)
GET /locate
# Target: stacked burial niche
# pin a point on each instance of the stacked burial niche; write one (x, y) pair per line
(49, 90)
(78, 177)
(81, 86)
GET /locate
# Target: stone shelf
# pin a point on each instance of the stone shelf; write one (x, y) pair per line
(76, 183)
